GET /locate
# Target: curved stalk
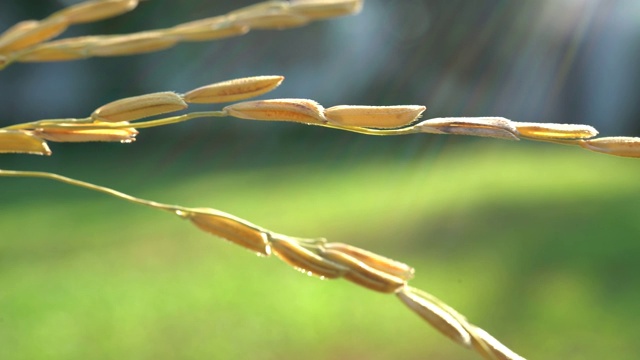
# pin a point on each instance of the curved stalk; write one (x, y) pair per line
(105, 190)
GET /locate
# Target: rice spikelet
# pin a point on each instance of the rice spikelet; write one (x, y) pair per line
(296, 110)
(274, 20)
(16, 31)
(213, 28)
(230, 228)
(304, 259)
(615, 145)
(363, 274)
(138, 107)
(545, 131)
(378, 262)
(29, 33)
(132, 44)
(23, 142)
(69, 134)
(60, 50)
(435, 315)
(498, 350)
(322, 9)
(494, 127)
(233, 90)
(95, 10)
(374, 116)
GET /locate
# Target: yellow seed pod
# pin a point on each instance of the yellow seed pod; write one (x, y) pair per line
(138, 107)
(435, 315)
(230, 228)
(373, 116)
(497, 349)
(363, 274)
(69, 134)
(233, 90)
(90, 11)
(138, 43)
(16, 31)
(322, 9)
(23, 142)
(28, 33)
(273, 20)
(494, 127)
(544, 131)
(207, 29)
(378, 262)
(296, 110)
(615, 145)
(60, 50)
(304, 259)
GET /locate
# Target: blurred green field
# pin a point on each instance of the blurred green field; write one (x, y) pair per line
(538, 244)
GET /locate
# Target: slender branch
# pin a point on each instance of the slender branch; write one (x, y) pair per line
(320, 258)
(173, 119)
(90, 186)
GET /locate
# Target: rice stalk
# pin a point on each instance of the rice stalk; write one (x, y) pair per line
(317, 257)
(369, 120)
(28, 41)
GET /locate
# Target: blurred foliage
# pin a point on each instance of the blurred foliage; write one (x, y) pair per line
(536, 243)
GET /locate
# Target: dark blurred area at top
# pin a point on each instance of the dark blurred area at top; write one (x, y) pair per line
(569, 61)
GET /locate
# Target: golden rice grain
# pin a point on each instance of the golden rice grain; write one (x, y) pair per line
(494, 127)
(296, 110)
(60, 50)
(17, 31)
(304, 259)
(230, 228)
(378, 262)
(233, 90)
(435, 315)
(137, 43)
(29, 33)
(24, 142)
(616, 145)
(273, 20)
(363, 274)
(498, 350)
(90, 11)
(545, 131)
(207, 29)
(322, 9)
(138, 107)
(69, 134)
(373, 116)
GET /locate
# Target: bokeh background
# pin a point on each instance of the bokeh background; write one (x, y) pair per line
(536, 243)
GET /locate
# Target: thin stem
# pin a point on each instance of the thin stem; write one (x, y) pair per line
(88, 124)
(102, 189)
(569, 142)
(173, 119)
(369, 131)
